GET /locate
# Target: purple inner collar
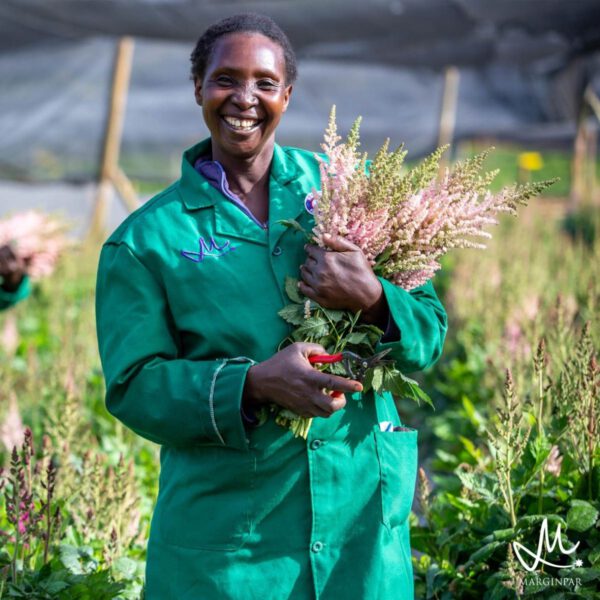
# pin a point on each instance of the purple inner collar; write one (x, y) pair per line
(213, 172)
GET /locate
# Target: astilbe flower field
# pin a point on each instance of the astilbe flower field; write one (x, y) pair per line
(404, 221)
(516, 441)
(501, 452)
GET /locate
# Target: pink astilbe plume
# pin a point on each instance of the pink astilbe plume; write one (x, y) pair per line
(404, 222)
(342, 207)
(36, 238)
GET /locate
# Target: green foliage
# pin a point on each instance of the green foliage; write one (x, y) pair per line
(507, 457)
(73, 512)
(338, 331)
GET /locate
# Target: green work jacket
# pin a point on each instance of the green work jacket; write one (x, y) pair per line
(188, 293)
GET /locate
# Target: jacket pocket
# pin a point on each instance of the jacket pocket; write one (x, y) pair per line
(206, 500)
(397, 455)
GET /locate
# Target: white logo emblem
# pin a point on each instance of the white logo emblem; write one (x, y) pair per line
(310, 202)
(545, 545)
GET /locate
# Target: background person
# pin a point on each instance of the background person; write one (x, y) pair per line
(14, 283)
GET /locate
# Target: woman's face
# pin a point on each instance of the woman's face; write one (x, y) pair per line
(243, 94)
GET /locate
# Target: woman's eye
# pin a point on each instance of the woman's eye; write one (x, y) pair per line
(267, 85)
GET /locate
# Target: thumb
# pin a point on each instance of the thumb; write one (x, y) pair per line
(310, 349)
(339, 244)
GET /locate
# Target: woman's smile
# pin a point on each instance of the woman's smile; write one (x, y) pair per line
(243, 95)
(241, 124)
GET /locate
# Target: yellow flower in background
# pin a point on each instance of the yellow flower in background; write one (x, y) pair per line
(531, 161)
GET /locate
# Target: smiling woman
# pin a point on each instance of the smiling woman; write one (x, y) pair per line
(196, 276)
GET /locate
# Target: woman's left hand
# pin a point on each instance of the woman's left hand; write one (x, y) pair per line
(343, 279)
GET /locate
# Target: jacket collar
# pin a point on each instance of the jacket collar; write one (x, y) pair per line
(287, 190)
(196, 192)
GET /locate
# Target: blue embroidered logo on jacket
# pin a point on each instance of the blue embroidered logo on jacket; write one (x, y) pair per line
(208, 249)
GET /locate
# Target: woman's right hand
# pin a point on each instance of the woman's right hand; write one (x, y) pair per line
(288, 379)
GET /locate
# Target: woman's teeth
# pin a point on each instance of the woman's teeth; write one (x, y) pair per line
(241, 124)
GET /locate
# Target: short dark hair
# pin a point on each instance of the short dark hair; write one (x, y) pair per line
(243, 23)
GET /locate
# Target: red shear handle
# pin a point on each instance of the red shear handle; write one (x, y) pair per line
(325, 358)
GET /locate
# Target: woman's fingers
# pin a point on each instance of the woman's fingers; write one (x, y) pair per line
(308, 291)
(336, 383)
(314, 252)
(339, 244)
(308, 348)
(309, 277)
(328, 404)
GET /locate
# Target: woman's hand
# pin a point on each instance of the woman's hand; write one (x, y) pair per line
(12, 269)
(343, 279)
(288, 379)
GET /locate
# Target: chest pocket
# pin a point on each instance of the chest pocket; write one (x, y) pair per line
(397, 455)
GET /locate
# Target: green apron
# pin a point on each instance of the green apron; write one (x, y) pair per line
(188, 293)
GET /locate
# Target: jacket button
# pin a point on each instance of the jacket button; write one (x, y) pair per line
(277, 251)
(317, 547)
(315, 444)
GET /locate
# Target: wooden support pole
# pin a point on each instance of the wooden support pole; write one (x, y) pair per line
(593, 101)
(578, 165)
(111, 176)
(448, 114)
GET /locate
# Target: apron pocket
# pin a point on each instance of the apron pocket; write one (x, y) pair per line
(208, 503)
(397, 455)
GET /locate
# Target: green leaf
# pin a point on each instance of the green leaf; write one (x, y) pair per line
(357, 337)
(533, 520)
(485, 552)
(368, 381)
(377, 379)
(56, 586)
(594, 555)
(581, 516)
(315, 327)
(479, 483)
(334, 315)
(293, 224)
(292, 313)
(291, 289)
(471, 448)
(411, 389)
(337, 369)
(500, 535)
(125, 567)
(69, 557)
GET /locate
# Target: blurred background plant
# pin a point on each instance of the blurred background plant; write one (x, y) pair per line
(75, 513)
(516, 437)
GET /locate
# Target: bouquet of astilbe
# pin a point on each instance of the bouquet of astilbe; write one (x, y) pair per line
(36, 238)
(404, 221)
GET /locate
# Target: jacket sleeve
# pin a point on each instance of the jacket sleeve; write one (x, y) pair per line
(422, 324)
(7, 299)
(150, 387)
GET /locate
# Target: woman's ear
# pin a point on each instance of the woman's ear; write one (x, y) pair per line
(286, 97)
(198, 91)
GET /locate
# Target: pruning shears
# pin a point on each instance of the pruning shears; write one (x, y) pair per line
(356, 366)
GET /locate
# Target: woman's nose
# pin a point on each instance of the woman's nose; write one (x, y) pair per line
(245, 96)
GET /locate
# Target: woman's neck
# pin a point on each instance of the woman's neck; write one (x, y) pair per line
(247, 177)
